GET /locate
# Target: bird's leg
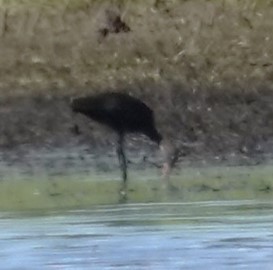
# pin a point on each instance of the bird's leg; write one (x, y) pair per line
(122, 163)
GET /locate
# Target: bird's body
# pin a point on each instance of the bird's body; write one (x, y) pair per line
(124, 114)
(121, 112)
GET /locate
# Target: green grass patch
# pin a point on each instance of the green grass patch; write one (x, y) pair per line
(191, 184)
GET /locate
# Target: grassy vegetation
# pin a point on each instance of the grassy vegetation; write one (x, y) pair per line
(56, 45)
(205, 184)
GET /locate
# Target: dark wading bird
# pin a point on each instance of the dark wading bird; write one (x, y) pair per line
(124, 114)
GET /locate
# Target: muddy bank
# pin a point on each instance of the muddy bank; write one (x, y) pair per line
(204, 123)
(204, 67)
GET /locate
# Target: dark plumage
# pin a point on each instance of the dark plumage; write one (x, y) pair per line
(121, 112)
(124, 114)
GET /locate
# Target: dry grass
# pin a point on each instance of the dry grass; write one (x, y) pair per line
(199, 44)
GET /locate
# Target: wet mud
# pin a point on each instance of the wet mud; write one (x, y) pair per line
(43, 179)
(206, 124)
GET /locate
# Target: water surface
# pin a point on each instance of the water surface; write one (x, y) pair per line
(201, 235)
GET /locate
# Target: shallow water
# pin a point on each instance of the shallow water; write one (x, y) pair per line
(203, 235)
(77, 178)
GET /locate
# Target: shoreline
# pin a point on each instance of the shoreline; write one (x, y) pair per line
(64, 180)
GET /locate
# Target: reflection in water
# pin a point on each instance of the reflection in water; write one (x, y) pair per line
(212, 235)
